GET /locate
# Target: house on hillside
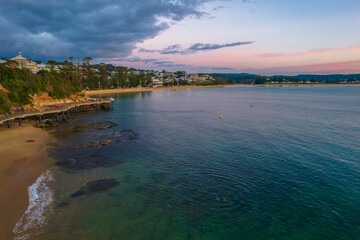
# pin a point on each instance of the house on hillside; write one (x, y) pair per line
(25, 63)
(42, 66)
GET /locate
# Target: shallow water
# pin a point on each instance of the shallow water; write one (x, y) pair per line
(286, 159)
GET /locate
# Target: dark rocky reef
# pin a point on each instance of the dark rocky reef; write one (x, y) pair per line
(94, 126)
(84, 163)
(93, 137)
(95, 186)
(98, 143)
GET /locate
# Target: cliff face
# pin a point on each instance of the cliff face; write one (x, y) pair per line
(43, 101)
(4, 89)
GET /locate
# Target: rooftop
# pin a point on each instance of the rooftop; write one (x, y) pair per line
(19, 58)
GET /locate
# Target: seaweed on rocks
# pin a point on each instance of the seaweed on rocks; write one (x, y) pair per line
(95, 186)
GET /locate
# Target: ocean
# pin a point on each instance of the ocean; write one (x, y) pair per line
(282, 163)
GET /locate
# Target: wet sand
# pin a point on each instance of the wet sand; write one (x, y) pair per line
(21, 163)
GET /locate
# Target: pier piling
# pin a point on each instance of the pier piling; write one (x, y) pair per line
(57, 117)
(9, 124)
(63, 116)
(20, 122)
(39, 119)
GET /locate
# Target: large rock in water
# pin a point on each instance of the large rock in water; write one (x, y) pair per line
(96, 186)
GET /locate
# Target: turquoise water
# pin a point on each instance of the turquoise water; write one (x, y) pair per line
(285, 158)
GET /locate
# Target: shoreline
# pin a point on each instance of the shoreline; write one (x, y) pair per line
(141, 89)
(23, 163)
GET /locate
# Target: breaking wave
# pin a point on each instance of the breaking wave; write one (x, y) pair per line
(41, 197)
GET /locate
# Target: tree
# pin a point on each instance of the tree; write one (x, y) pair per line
(142, 78)
(89, 78)
(52, 64)
(121, 77)
(132, 78)
(148, 79)
(87, 60)
(104, 80)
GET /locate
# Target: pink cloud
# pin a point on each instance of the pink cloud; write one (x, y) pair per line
(309, 53)
(326, 68)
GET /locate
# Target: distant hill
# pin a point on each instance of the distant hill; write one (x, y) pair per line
(246, 77)
(236, 77)
(329, 78)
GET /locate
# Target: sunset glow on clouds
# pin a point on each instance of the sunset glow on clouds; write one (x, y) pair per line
(262, 36)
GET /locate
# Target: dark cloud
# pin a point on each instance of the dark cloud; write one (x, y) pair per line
(158, 64)
(177, 49)
(218, 8)
(201, 47)
(172, 66)
(97, 28)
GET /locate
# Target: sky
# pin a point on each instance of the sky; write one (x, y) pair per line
(267, 37)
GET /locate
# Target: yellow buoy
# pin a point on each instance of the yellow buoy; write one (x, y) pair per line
(220, 116)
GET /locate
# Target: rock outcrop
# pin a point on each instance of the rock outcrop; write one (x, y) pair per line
(95, 186)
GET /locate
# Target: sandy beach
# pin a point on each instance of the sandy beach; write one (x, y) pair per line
(140, 89)
(21, 163)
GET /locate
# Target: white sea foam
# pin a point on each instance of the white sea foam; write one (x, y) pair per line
(41, 197)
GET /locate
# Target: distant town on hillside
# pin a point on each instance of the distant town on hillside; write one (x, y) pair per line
(165, 78)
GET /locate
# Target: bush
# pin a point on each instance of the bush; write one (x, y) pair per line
(4, 103)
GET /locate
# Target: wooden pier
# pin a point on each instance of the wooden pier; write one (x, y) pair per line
(94, 104)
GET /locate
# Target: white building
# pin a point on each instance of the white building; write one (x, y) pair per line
(25, 63)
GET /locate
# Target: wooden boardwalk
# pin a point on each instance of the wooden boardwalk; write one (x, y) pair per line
(68, 107)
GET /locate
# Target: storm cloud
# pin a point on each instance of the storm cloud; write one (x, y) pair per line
(96, 28)
(197, 47)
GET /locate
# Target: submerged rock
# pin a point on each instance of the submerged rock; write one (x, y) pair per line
(88, 163)
(120, 136)
(104, 125)
(89, 155)
(95, 186)
(98, 143)
(90, 127)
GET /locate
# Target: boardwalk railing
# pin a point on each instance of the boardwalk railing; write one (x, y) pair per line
(67, 107)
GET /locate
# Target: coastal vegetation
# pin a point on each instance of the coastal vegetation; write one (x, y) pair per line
(19, 85)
